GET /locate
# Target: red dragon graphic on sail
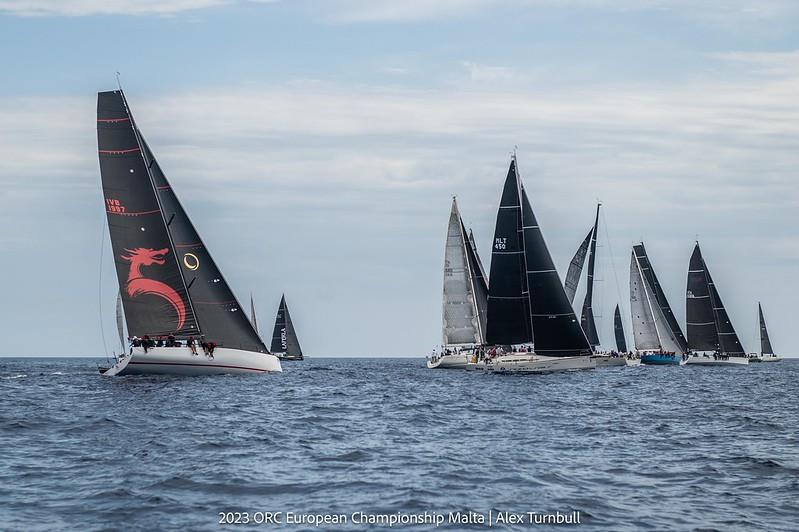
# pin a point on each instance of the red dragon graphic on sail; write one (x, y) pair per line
(138, 285)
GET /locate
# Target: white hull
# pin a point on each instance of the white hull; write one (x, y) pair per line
(769, 358)
(180, 361)
(607, 361)
(531, 363)
(632, 361)
(710, 361)
(457, 361)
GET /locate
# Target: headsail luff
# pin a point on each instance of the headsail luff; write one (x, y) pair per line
(154, 294)
(729, 343)
(508, 298)
(576, 268)
(618, 328)
(555, 327)
(699, 317)
(765, 343)
(649, 275)
(284, 337)
(223, 319)
(587, 315)
(253, 318)
(460, 313)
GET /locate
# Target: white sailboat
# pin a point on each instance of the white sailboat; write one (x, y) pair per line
(655, 341)
(180, 311)
(711, 336)
(464, 298)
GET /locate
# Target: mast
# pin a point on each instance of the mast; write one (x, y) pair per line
(618, 329)
(651, 279)
(699, 316)
(460, 312)
(154, 293)
(587, 315)
(765, 342)
(576, 268)
(508, 305)
(555, 327)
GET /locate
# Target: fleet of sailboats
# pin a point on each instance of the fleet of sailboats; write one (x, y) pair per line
(180, 316)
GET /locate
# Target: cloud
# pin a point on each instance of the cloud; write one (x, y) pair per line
(104, 7)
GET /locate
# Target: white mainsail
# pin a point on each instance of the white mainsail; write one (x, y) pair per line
(120, 322)
(460, 313)
(645, 331)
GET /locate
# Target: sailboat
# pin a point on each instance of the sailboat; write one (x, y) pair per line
(170, 286)
(657, 338)
(465, 298)
(284, 338)
(587, 321)
(766, 351)
(711, 336)
(527, 303)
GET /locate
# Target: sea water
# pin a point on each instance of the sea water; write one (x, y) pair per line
(386, 443)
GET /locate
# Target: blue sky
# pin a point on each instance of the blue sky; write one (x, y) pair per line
(317, 145)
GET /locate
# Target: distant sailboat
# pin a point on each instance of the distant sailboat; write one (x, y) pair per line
(587, 319)
(618, 329)
(171, 286)
(285, 343)
(711, 336)
(527, 302)
(652, 334)
(766, 351)
(465, 297)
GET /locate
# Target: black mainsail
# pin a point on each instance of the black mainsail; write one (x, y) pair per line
(618, 328)
(154, 293)
(709, 326)
(222, 318)
(587, 316)
(284, 338)
(508, 298)
(660, 297)
(700, 321)
(765, 343)
(555, 327)
(576, 267)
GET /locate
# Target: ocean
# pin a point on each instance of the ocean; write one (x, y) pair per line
(640, 448)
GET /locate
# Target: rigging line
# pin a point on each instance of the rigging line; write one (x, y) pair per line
(613, 265)
(100, 285)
